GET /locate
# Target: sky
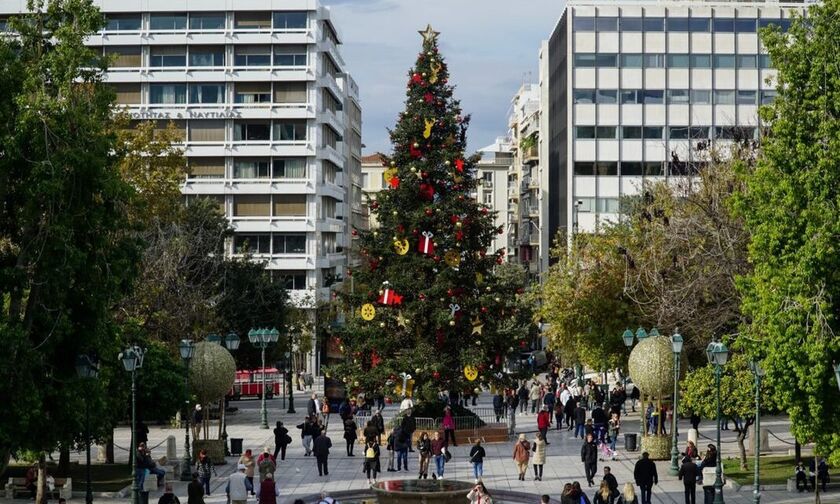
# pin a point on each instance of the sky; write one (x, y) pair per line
(491, 47)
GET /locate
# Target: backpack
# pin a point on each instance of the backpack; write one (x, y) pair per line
(370, 453)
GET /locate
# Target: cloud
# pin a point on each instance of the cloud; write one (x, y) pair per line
(491, 47)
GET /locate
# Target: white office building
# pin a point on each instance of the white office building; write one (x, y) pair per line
(492, 188)
(630, 88)
(269, 118)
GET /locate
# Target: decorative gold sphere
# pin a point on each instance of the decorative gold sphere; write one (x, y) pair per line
(651, 366)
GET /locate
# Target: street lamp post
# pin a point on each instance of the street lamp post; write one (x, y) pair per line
(261, 338)
(232, 344)
(289, 382)
(627, 337)
(187, 349)
(758, 372)
(717, 353)
(86, 367)
(676, 346)
(132, 360)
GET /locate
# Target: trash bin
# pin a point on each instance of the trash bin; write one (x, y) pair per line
(236, 446)
(630, 441)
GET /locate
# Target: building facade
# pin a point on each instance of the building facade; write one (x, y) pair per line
(269, 119)
(492, 188)
(632, 88)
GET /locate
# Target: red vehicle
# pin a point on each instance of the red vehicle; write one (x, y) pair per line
(248, 383)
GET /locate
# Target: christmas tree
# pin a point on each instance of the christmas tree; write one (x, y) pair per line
(425, 301)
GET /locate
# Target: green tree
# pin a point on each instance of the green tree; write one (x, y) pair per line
(431, 248)
(68, 252)
(737, 392)
(791, 211)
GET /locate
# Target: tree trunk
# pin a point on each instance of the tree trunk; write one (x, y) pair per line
(109, 449)
(742, 434)
(63, 461)
(40, 494)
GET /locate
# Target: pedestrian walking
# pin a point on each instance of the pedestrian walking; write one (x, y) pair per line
(312, 406)
(498, 405)
(371, 465)
(205, 469)
(558, 415)
(577, 491)
(424, 449)
(238, 487)
(268, 491)
(477, 455)
(350, 434)
(603, 495)
(628, 496)
(534, 396)
(321, 450)
(539, 456)
(448, 425)
(689, 473)
(645, 475)
(569, 411)
(168, 496)
(580, 421)
(195, 490)
(589, 457)
(389, 446)
(281, 440)
(611, 481)
(371, 432)
(479, 494)
(522, 393)
(379, 423)
(247, 459)
(521, 455)
(543, 421)
(409, 425)
(401, 444)
(439, 452)
(266, 463)
(613, 429)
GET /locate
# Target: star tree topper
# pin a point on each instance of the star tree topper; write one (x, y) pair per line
(429, 34)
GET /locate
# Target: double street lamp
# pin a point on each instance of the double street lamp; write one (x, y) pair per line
(87, 368)
(290, 381)
(758, 372)
(717, 354)
(132, 360)
(261, 338)
(676, 346)
(187, 350)
(231, 342)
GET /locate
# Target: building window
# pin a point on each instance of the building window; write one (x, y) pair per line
(290, 92)
(584, 23)
(260, 20)
(252, 205)
(123, 22)
(252, 56)
(737, 133)
(252, 132)
(584, 96)
(290, 131)
(701, 97)
(653, 96)
(630, 24)
(601, 168)
(745, 97)
(168, 56)
(591, 60)
(700, 132)
(699, 25)
(701, 61)
(329, 171)
(607, 205)
(679, 61)
(290, 55)
(212, 130)
(678, 96)
(207, 21)
(209, 168)
(329, 34)
(252, 92)
(677, 24)
(604, 24)
(585, 132)
(251, 168)
(654, 60)
(726, 25)
(746, 25)
(764, 61)
(605, 132)
(207, 56)
(126, 93)
(329, 244)
(641, 132)
(290, 20)
(330, 68)
(638, 168)
(724, 61)
(724, 97)
(291, 168)
(654, 24)
(783, 24)
(329, 137)
(124, 56)
(678, 132)
(329, 102)
(252, 243)
(294, 280)
(289, 243)
(167, 22)
(632, 61)
(328, 207)
(747, 61)
(767, 96)
(631, 96)
(290, 205)
(167, 94)
(207, 93)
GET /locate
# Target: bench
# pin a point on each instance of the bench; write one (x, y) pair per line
(17, 486)
(791, 484)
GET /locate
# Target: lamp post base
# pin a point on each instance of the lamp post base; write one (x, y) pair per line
(186, 469)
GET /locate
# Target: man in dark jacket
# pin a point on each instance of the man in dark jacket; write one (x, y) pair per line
(311, 409)
(580, 420)
(589, 457)
(402, 442)
(645, 476)
(523, 398)
(195, 491)
(599, 422)
(498, 405)
(569, 412)
(409, 425)
(611, 481)
(322, 452)
(379, 423)
(689, 473)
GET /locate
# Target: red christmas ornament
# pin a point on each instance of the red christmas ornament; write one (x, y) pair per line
(354, 233)
(436, 258)
(416, 79)
(483, 309)
(522, 344)
(428, 98)
(426, 245)
(454, 218)
(484, 210)
(427, 192)
(499, 260)
(459, 165)
(414, 152)
(498, 360)
(424, 174)
(374, 205)
(459, 235)
(394, 182)
(450, 292)
(421, 297)
(436, 375)
(429, 212)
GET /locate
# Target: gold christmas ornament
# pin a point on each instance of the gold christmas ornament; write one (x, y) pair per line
(452, 258)
(470, 373)
(368, 311)
(401, 246)
(478, 326)
(452, 322)
(427, 132)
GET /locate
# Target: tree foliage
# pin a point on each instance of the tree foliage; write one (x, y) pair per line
(447, 289)
(791, 211)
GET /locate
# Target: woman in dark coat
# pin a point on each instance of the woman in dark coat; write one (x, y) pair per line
(350, 434)
(371, 465)
(281, 440)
